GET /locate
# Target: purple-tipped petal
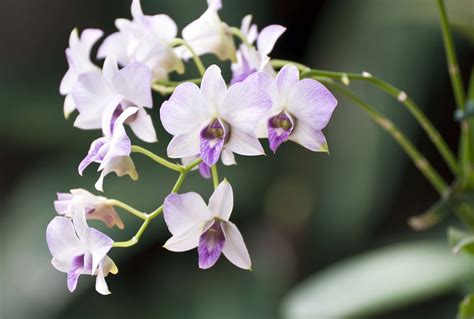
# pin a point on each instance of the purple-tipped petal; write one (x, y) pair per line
(312, 103)
(212, 141)
(62, 240)
(280, 127)
(286, 80)
(205, 170)
(184, 212)
(210, 246)
(77, 266)
(96, 153)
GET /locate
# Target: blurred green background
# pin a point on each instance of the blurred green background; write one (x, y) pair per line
(306, 217)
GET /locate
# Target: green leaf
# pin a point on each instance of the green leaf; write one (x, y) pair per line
(466, 308)
(379, 281)
(461, 241)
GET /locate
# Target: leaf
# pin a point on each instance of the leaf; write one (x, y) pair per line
(461, 240)
(466, 308)
(379, 281)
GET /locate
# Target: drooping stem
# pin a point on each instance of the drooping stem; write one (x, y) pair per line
(215, 176)
(418, 159)
(128, 208)
(400, 95)
(196, 58)
(160, 160)
(236, 32)
(453, 67)
(168, 87)
(149, 217)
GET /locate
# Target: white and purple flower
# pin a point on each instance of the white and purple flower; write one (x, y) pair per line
(212, 120)
(78, 250)
(95, 207)
(145, 39)
(300, 110)
(254, 59)
(78, 59)
(113, 89)
(112, 150)
(207, 227)
(208, 34)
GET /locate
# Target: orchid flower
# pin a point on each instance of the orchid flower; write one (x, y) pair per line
(251, 59)
(300, 110)
(213, 120)
(78, 250)
(208, 34)
(78, 59)
(195, 224)
(112, 150)
(114, 88)
(145, 39)
(95, 207)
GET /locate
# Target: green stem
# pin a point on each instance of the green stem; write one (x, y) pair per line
(168, 87)
(452, 60)
(128, 208)
(160, 160)
(236, 32)
(215, 176)
(196, 58)
(149, 217)
(418, 159)
(400, 95)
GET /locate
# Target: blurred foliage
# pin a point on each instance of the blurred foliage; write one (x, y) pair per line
(299, 212)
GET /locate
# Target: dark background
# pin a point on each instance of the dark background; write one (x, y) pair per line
(299, 212)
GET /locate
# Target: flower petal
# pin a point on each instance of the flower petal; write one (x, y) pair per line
(210, 246)
(267, 38)
(213, 87)
(95, 154)
(142, 126)
(100, 284)
(62, 240)
(98, 244)
(122, 165)
(187, 241)
(221, 201)
(244, 143)
(234, 247)
(286, 80)
(204, 170)
(185, 110)
(312, 103)
(184, 212)
(134, 82)
(306, 136)
(246, 103)
(184, 145)
(77, 266)
(228, 157)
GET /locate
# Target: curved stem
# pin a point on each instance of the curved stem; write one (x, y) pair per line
(196, 58)
(160, 160)
(418, 159)
(400, 95)
(452, 60)
(168, 87)
(215, 176)
(128, 208)
(236, 32)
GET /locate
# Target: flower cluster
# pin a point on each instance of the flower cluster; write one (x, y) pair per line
(208, 119)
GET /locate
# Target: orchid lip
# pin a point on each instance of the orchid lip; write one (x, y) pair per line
(280, 128)
(213, 137)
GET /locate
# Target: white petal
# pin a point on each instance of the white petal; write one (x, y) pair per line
(62, 240)
(163, 26)
(185, 110)
(267, 38)
(98, 244)
(312, 102)
(286, 80)
(143, 127)
(184, 145)
(306, 136)
(246, 103)
(213, 87)
(69, 106)
(134, 82)
(136, 9)
(222, 200)
(122, 165)
(80, 224)
(244, 143)
(186, 241)
(110, 68)
(227, 157)
(184, 212)
(234, 246)
(100, 283)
